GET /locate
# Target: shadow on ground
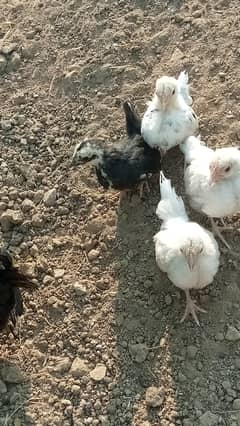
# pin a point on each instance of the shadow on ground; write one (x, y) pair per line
(154, 348)
(15, 388)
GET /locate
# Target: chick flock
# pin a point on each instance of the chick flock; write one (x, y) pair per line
(184, 250)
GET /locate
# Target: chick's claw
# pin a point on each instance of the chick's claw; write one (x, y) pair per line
(141, 188)
(191, 309)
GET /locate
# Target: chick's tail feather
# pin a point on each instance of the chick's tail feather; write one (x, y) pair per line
(184, 89)
(170, 206)
(133, 120)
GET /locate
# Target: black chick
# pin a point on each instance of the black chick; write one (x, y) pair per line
(11, 281)
(125, 165)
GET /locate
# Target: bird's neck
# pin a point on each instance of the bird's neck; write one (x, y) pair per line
(97, 153)
(173, 104)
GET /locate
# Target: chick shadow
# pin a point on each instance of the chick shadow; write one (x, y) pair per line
(15, 388)
(152, 344)
(139, 319)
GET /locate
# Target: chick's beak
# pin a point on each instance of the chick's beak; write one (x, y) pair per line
(191, 261)
(215, 174)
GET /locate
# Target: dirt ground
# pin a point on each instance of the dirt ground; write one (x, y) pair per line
(103, 328)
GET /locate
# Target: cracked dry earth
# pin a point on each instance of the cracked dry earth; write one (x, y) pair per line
(101, 342)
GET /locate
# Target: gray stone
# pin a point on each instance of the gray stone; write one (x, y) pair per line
(138, 351)
(93, 254)
(37, 220)
(38, 196)
(63, 365)
(79, 289)
(50, 197)
(154, 396)
(168, 300)
(104, 421)
(59, 273)
(98, 373)
(10, 218)
(27, 205)
(8, 48)
(236, 404)
(208, 419)
(79, 368)
(233, 334)
(219, 336)
(14, 62)
(6, 124)
(12, 374)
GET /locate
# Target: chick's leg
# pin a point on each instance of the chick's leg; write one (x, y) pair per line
(123, 195)
(191, 308)
(217, 232)
(155, 178)
(141, 188)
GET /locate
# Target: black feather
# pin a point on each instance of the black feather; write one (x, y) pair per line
(11, 282)
(127, 164)
(133, 120)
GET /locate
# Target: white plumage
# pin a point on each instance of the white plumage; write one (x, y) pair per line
(184, 87)
(169, 119)
(212, 179)
(184, 250)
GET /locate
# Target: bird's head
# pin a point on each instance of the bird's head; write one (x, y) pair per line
(224, 165)
(191, 250)
(86, 151)
(166, 90)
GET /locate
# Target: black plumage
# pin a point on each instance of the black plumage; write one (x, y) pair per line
(127, 163)
(133, 120)
(11, 282)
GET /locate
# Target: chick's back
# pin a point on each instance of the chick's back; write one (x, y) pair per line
(129, 163)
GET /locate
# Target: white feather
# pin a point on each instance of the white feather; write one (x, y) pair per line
(184, 87)
(171, 207)
(166, 127)
(218, 200)
(175, 232)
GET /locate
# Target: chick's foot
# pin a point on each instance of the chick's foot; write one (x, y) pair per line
(191, 308)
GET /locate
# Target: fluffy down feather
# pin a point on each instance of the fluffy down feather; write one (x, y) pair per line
(184, 250)
(169, 119)
(184, 87)
(212, 178)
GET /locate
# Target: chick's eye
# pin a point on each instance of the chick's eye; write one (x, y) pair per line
(173, 92)
(227, 169)
(201, 250)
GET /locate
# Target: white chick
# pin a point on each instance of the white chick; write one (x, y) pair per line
(184, 250)
(212, 180)
(169, 119)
